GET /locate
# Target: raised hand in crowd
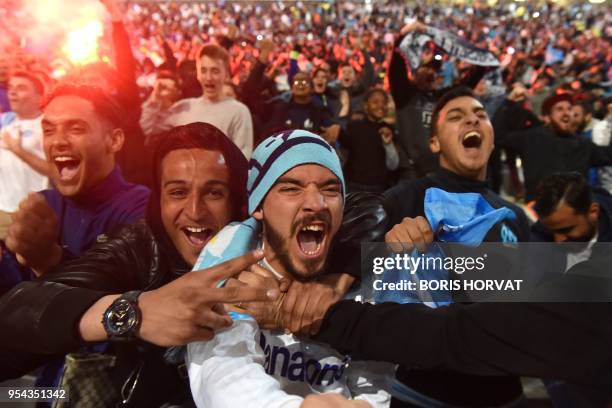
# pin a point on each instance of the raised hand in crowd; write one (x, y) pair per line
(33, 235)
(165, 93)
(266, 47)
(518, 93)
(409, 233)
(415, 25)
(386, 135)
(186, 309)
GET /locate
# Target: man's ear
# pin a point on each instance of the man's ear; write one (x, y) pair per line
(593, 213)
(115, 140)
(434, 144)
(258, 214)
(547, 119)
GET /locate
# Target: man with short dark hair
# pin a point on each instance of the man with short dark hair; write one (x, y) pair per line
(572, 213)
(81, 134)
(576, 216)
(462, 137)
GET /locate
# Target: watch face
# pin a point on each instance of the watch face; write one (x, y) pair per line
(120, 318)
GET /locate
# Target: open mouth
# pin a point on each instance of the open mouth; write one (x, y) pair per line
(197, 236)
(67, 167)
(310, 239)
(471, 139)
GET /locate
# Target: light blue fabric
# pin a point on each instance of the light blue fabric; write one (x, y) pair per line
(280, 153)
(463, 218)
(236, 239)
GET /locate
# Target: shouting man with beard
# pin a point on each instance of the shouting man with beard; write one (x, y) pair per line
(554, 147)
(296, 199)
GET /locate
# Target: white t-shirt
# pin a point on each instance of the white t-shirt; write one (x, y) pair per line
(243, 366)
(229, 115)
(17, 178)
(574, 258)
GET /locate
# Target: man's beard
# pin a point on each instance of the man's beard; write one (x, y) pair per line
(579, 244)
(281, 250)
(558, 128)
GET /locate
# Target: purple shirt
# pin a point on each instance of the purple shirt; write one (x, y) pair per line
(104, 209)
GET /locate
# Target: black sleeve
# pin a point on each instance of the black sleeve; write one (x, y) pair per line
(548, 340)
(600, 155)
(169, 57)
(43, 315)
(473, 76)
(252, 87)
(364, 220)
(345, 135)
(368, 76)
(126, 69)
(401, 87)
(514, 142)
(404, 200)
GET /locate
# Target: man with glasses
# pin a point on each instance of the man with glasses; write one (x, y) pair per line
(303, 111)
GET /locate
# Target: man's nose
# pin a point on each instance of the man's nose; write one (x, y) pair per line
(472, 118)
(196, 207)
(314, 200)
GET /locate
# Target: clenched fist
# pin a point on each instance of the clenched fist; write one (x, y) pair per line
(33, 234)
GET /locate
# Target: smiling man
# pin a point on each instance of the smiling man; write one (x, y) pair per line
(554, 147)
(296, 199)
(81, 135)
(229, 115)
(462, 137)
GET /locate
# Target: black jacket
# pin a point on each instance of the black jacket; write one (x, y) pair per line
(132, 260)
(43, 315)
(544, 152)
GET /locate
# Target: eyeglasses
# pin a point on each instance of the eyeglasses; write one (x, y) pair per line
(301, 82)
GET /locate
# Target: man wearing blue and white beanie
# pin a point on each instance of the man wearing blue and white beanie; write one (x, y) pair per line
(296, 198)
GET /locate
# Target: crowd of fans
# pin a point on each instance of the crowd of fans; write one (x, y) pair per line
(341, 70)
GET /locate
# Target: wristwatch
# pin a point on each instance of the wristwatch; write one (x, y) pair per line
(122, 318)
